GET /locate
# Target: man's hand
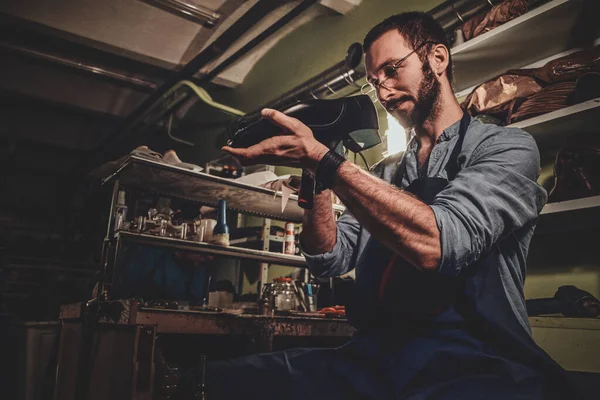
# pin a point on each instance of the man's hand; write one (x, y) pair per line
(295, 147)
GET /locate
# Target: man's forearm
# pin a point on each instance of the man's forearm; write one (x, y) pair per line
(402, 222)
(319, 231)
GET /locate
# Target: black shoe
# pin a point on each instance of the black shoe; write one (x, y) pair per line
(352, 120)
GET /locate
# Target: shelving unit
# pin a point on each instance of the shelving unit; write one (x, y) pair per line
(207, 248)
(153, 176)
(550, 130)
(569, 215)
(573, 342)
(539, 33)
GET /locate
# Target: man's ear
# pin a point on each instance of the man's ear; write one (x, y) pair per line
(440, 57)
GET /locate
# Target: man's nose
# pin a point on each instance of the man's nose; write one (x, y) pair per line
(383, 94)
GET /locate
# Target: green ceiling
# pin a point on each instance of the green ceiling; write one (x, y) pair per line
(311, 49)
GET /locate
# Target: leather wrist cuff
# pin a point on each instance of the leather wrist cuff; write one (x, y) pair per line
(327, 169)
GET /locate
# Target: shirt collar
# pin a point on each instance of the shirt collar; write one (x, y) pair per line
(447, 134)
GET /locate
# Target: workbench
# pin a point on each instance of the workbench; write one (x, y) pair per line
(119, 358)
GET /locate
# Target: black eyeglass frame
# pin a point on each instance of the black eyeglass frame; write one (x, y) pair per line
(393, 69)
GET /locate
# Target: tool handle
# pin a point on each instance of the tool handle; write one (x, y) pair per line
(306, 197)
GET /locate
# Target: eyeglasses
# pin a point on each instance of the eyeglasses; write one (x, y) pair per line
(389, 72)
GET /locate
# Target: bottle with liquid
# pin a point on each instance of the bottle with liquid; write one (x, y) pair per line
(221, 230)
(120, 212)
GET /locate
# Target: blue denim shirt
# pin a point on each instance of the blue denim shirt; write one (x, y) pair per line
(487, 214)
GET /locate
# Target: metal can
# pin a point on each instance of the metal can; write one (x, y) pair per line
(289, 245)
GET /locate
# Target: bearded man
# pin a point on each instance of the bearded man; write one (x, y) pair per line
(438, 237)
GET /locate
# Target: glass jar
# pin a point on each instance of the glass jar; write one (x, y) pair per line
(284, 294)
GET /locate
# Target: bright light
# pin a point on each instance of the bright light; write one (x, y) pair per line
(396, 136)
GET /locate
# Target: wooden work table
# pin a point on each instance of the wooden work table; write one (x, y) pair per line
(263, 328)
(111, 355)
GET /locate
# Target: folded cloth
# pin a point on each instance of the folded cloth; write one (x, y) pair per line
(550, 98)
(495, 96)
(496, 16)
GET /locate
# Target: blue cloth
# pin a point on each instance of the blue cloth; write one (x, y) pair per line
(154, 273)
(377, 367)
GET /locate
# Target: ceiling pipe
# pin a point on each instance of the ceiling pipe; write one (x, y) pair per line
(194, 12)
(138, 83)
(343, 74)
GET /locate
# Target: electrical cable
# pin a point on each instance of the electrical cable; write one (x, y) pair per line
(365, 161)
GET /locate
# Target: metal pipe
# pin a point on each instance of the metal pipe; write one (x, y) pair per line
(328, 82)
(145, 85)
(195, 12)
(450, 14)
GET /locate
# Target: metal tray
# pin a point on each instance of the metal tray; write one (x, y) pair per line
(158, 177)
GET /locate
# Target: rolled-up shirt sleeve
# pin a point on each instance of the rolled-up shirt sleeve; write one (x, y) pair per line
(342, 257)
(495, 194)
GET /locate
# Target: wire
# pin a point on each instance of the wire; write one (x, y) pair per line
(364, 160)
(169, 123)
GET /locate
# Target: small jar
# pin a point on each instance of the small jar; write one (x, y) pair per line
(284, 294)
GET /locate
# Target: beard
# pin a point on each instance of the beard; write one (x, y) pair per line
(427, 103)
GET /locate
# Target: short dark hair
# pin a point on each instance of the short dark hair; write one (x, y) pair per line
(416, 28)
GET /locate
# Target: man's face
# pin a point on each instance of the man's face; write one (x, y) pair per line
(414, 96)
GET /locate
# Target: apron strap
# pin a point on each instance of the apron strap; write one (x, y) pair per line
(452, 165)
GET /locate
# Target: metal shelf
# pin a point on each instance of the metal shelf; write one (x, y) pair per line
(570, 215)
(256, 239)
(572, 342)
(207, 248)
(551, 130)
(538, 34)
(571, 205)
(157, 177)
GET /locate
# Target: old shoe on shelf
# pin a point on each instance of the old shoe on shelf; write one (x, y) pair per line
(171, 158)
